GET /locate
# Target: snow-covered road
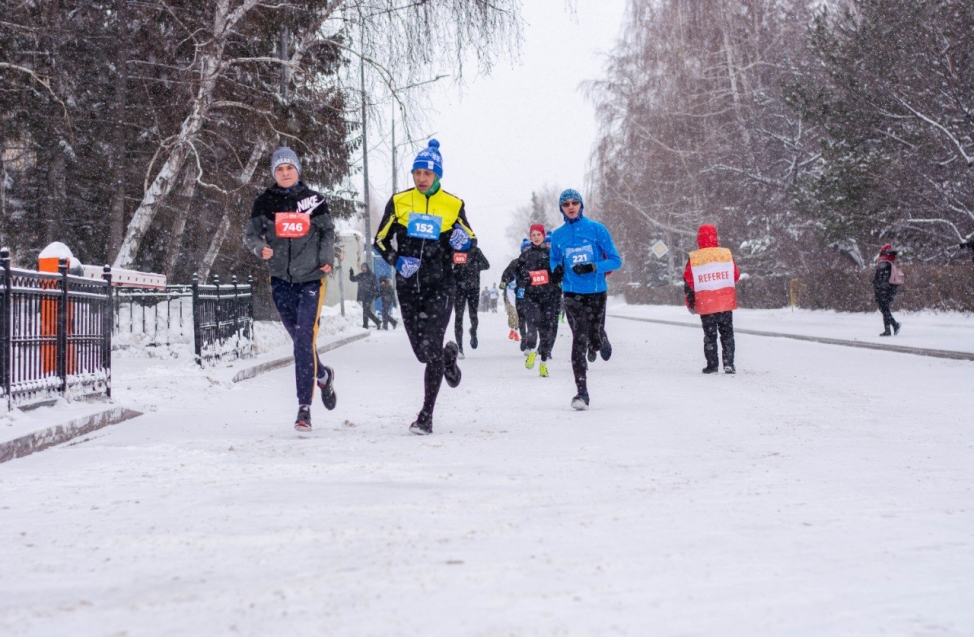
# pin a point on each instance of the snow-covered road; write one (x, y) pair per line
(821, 491)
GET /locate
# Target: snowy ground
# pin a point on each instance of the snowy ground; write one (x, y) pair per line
(823, 490)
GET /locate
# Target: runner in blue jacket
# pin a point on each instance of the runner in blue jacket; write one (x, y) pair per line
(582, 251)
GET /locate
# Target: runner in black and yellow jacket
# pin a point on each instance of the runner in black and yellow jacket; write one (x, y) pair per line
(419, 232)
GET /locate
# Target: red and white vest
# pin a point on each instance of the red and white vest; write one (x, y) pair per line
(713, 280)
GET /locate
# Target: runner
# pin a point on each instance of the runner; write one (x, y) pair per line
(467, 265)
(577, 251)
(541, 298)
(424, 221)
(290, 229)
(509, 275)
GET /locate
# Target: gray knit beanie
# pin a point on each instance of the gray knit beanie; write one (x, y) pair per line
(284, 155)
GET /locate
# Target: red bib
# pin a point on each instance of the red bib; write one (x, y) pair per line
(539, 277)
(291, 225)
(460, 257)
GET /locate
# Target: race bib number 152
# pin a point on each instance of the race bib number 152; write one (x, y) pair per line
(424, 226)
(291, 225)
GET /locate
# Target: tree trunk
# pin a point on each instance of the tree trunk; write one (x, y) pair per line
(210, 64)
(182, 204)
(237, 200)
(116, 223)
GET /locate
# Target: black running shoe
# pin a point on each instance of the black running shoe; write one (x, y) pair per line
(606, 351)
(729, 369)
(303, 421)
(592, 353)
(423, 426)
(328, 395)
(896, 327)
(451, 371)
(473, 338)
(710, 370)
(580, 402)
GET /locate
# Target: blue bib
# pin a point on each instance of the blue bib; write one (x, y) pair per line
(581, 254)
(424, 226)
(520, 293)
(407, 266)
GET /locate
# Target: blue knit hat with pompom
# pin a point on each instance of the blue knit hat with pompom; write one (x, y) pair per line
(430, 158)
(525, 243)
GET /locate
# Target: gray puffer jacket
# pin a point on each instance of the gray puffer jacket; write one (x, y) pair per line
(302, 243)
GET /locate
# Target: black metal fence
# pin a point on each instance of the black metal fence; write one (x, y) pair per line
(158, 317)
(223, 319)
(55, 334)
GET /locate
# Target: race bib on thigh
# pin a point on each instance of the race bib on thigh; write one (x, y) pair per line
(580, 254)
(422, 226)
(407, 266)
(539, 277)
(291, 225)
(520, 293)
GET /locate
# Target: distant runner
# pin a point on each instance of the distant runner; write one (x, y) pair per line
(582, 250)
(468, 263)
(542, 294)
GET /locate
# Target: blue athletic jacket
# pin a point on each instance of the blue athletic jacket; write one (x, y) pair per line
(584, 241)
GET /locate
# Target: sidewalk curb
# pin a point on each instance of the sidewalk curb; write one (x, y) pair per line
(56, 434)
(263, 368)
(935, 353)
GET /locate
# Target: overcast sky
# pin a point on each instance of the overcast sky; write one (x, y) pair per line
(526, 125)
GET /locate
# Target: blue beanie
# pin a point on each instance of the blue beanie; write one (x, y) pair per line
(285, 155)
(571, 193)
(525, 243)
(430, 158)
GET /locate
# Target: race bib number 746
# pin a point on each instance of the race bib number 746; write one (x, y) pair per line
(291, 225)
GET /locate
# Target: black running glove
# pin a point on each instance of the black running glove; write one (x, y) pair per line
(583, 268)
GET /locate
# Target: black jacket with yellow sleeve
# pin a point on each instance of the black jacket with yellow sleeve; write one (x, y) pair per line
(406, 236)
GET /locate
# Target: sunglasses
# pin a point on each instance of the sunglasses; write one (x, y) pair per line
(570, 202)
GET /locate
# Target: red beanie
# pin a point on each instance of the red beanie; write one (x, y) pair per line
(537, 226)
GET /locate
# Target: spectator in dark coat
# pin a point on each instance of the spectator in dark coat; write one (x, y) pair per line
(387, 294)
(368, 292)
(886, 281)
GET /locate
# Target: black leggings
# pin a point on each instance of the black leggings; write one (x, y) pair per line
(585, 313)
(425, 315)
(542, 324)
(368, 314)
(722, 322)
(466, 298)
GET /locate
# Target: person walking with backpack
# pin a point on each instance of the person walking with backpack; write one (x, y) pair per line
(416, 236)
(468, 263)
(368, 292)
(291, 230)
(582, 252)
(886, 281)
(708, 286)
(542, 295)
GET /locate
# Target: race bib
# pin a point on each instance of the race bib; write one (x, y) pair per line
(407, 266)
(291, 225)
(520, 293)
(581, 254)
(460, 257)
(539, 277)
(459, 239)
(424, 226)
